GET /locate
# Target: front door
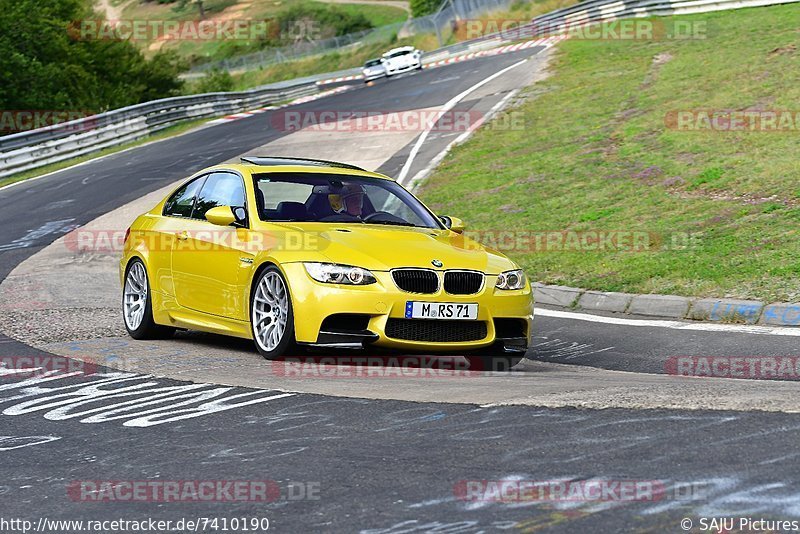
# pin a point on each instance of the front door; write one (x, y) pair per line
(210, 263)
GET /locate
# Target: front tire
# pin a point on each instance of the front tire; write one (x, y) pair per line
(271, 314)
(137, 305)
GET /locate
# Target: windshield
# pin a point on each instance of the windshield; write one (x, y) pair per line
(372, 63)
(334, 198)
(400, 53)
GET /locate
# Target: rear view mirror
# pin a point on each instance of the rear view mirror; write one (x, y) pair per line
(453, 223)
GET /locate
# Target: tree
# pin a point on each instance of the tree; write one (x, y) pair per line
(420, 8)
(46, 64)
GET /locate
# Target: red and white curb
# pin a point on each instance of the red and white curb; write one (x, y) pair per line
(341, 79)
(301, 100)
(547, 42)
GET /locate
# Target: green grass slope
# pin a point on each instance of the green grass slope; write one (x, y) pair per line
(597, 153)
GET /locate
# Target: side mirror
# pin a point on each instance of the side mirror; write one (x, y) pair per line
(221, 216)
(453, 223)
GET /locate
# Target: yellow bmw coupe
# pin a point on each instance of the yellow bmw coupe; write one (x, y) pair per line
(290, 251)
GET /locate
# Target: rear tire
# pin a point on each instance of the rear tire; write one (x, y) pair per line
(137, 305)
(271, 314)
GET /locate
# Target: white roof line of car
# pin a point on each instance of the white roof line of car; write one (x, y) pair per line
(400, 49)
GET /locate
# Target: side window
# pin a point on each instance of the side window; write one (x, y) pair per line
(181, 203)
(274, 192)
(220, 189)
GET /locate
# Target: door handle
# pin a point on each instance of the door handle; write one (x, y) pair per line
(183, 236)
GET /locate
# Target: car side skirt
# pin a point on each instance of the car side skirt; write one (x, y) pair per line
(167, 312)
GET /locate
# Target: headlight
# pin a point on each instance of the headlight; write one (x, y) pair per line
(333, 273)
(511, 280)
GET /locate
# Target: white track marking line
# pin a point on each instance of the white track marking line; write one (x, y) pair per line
(421, 175)
(8, 443)
(447, 107)
(677, 325)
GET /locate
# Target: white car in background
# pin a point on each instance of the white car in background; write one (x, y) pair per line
(373, 69)
(403, 59)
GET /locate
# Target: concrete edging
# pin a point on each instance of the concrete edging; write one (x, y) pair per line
(700, 309)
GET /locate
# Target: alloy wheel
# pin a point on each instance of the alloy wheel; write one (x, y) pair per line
(270, 311)
(135, 295)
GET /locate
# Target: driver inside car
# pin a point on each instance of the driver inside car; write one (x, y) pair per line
(349, 200)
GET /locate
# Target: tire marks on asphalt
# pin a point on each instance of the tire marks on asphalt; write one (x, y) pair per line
(554, 348)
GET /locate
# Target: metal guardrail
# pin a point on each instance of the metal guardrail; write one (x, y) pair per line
(30, 150)
(596, 11)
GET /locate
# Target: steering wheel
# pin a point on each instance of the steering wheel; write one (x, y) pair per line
(375, 214)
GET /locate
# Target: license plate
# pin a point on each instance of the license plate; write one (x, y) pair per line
(441, 310)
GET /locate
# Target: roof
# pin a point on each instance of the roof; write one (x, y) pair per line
(269, 161)
(265, 164)
(399, 49)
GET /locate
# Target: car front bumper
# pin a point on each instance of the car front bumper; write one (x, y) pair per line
(373, 75)
(384, 305)
(404, 68)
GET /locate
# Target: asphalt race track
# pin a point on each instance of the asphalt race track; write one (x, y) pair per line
(379, 455)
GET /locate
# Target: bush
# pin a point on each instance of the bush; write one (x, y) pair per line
(312, 22)
(214, 81)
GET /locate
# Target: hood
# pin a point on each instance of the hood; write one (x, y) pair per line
(381, 248)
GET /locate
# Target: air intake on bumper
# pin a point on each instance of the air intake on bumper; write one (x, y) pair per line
(436, 331)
